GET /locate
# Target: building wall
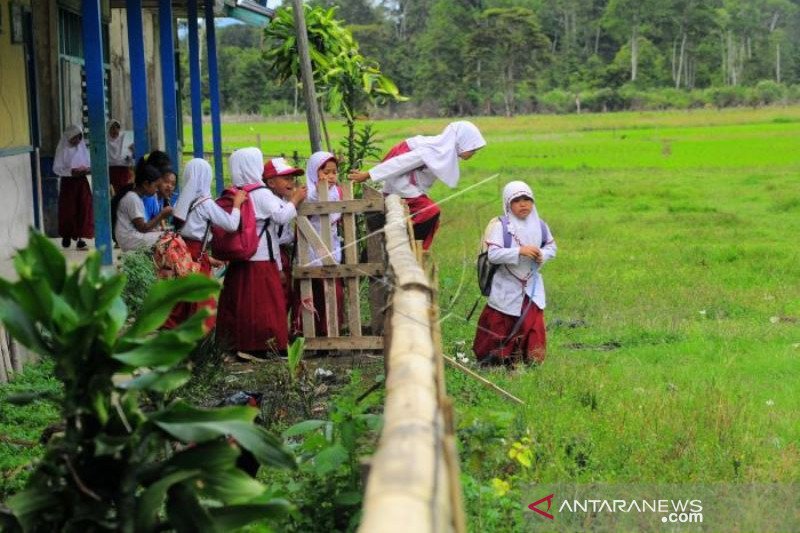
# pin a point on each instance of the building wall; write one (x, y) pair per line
(15, 131)
(16, 207)
(121, 101)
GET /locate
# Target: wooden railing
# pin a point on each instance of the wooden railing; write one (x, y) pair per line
(413, 482)
(351, 271)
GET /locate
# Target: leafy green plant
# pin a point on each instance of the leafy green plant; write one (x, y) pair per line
(329, 452)
(365, 145)
(126, 461)
(140, 274)
(348, 81)
(294, 354)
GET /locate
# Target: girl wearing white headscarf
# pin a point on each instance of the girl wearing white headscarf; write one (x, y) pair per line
(252, 309)
(411, 167)
(75, 209)
(199, 212)
(119, 156)
(322, 166)
(511, 326)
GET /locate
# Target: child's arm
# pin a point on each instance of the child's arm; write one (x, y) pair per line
(548, 250)
(396, 166)
(145, 227)
(498, 254)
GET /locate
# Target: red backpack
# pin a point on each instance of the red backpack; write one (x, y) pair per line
(241, 244)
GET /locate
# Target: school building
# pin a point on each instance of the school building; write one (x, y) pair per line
(82, 62)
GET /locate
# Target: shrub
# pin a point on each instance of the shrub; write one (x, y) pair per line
(769, 92)
(727, 96)
(126, 460)
(557, 101)
(140, 275)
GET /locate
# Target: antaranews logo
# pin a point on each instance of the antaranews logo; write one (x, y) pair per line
(673, 511)
(534, 506)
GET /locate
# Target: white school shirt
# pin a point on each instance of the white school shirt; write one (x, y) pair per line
(405, 175)
(206, 210)
(128, 237)
(269, 206)
(507, 294)
(336, 242)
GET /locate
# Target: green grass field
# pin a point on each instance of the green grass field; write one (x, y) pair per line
(674, 302)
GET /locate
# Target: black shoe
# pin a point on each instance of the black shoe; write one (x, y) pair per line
(81, 245)
(65, 242)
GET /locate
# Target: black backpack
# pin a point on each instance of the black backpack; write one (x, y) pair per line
(487, 269)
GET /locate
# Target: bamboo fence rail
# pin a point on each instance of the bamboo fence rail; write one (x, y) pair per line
(413, 479)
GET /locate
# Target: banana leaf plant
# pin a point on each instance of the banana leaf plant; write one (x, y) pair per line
(128, 459)
(347, 81)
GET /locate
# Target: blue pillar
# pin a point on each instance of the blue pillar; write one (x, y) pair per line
(213, 90)
(170, 107)
(194, 74)
(138, 77)
(95, 101)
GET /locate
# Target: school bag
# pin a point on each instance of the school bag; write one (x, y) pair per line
(172, 257)
(241, 244)
(487, 269)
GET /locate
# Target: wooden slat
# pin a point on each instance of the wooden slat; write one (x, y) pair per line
(351, 259)
(339, 271)
(331, 305)
(345, 206)
(344, 343)
(312, 237)
(375, 253)
(306, 294)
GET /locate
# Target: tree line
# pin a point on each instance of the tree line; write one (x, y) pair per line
(463, 57)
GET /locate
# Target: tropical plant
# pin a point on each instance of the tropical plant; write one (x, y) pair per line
(126, 461)
(329, 452)
(348, 81)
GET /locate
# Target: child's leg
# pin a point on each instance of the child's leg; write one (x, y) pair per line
(535, 337)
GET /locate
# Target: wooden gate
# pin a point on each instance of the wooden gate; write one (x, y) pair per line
(351, 271)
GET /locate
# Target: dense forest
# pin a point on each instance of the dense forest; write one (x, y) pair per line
(467, 57)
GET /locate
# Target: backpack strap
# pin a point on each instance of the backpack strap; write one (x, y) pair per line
(506, 235)
(269, 239)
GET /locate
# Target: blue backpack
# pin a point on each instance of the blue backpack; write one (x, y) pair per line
(487, 269)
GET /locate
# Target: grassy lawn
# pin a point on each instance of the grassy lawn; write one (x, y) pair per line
(674, 347)
(673, 305)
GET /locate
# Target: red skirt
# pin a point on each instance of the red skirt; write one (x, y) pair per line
(252, 311)
(319, 309)
(425, 217)
(528, 344)
(183, 310)
(119, 177)
(75, 209)
(286, 277)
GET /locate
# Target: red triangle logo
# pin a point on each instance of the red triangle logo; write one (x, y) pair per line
(534, 506)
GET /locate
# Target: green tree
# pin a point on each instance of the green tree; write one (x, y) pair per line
(513, 42)
(347, 81)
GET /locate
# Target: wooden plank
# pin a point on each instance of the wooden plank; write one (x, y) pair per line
(306, 292)
(344, 343)
(339, 271)
(344, 207)
(350, 249)
(312, 237)
(331, 305)
(375, 254)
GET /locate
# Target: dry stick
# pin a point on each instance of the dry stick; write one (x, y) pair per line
(18, 442)
(482, 379)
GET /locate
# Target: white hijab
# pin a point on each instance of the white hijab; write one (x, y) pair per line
(440, 152)
(527, 230)
(196, 185)
(247, 165)
(315, 162)
(68, 156)
(116, 147)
